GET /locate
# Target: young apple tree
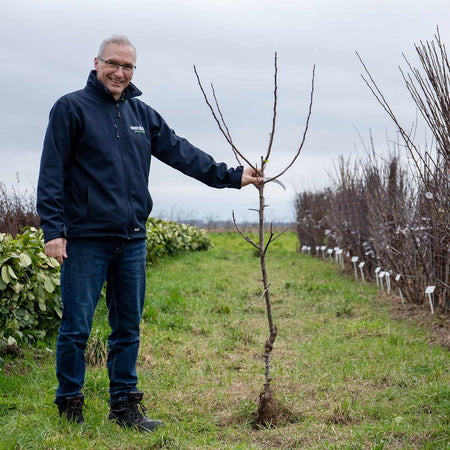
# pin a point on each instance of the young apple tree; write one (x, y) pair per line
(267, 410)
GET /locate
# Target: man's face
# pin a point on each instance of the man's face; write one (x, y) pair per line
(115, 79)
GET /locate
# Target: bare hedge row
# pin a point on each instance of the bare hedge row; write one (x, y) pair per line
(389, 213)
(378, 211)
(17, 210)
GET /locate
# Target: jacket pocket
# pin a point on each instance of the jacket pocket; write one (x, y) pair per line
(76, 203)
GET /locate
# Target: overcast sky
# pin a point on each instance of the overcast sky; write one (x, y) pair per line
(48, 47)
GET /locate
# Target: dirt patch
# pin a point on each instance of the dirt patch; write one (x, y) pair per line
(437, 324)
(272, 412)
(11, 350)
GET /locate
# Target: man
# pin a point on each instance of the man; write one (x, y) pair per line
(93, 202)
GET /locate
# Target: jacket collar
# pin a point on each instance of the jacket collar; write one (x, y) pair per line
(97, 87)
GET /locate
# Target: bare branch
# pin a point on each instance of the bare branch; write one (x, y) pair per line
(361, 139)
(271, 239)
(227, 137)
(258, 299)
(242, 234)
(304, 132)
(266, 159)
(415, 153)
(223, 121)
(432, 113)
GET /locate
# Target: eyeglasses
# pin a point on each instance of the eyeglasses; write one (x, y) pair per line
(115, 65)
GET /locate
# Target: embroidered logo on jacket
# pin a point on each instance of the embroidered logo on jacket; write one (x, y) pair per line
(137, 128)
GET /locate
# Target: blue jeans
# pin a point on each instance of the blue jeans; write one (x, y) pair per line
(89, 263)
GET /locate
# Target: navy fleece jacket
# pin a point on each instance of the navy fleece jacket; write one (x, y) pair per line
(93, 179)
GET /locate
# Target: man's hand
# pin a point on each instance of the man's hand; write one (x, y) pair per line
(250, 176)
(57, 249)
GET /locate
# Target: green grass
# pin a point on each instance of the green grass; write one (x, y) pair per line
(347, 374)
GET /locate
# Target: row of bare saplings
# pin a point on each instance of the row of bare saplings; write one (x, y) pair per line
(17, 210)
(381, 211)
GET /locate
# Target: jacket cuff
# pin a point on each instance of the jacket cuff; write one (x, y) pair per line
(53, 234)
(236, 177)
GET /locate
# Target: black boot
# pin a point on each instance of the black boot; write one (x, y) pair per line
(131, 413)
(72, 408)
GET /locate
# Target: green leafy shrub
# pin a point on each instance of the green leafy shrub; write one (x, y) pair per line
(30, 298)
(165, 238)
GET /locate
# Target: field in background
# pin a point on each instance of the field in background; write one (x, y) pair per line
(347, 374)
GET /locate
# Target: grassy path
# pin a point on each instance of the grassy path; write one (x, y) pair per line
(347, 375)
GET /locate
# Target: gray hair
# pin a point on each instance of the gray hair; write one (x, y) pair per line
(118, 39)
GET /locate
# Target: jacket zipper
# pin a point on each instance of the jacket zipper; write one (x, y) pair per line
(125, 161)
